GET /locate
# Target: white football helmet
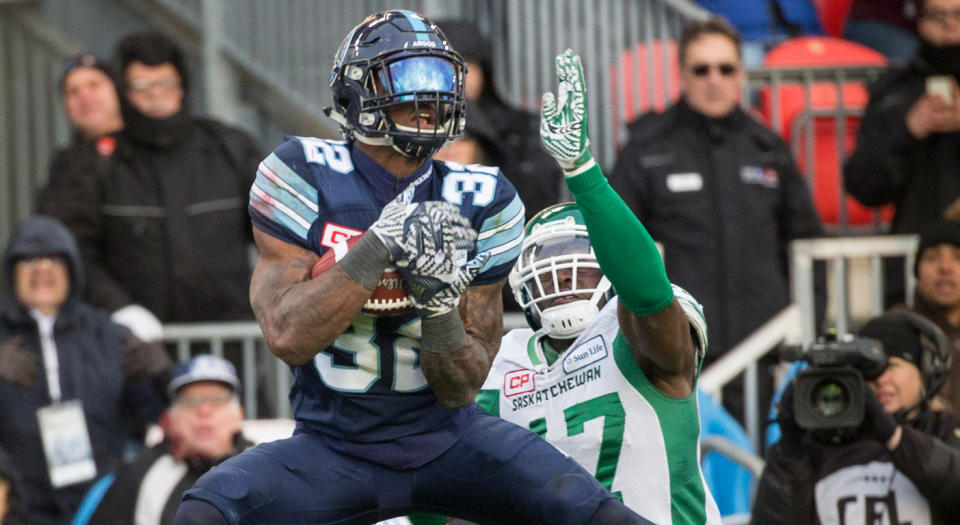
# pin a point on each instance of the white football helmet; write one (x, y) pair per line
(557, 280)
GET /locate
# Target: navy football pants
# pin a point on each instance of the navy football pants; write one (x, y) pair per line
(496, 473)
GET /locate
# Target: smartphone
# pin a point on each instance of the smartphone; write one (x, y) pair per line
(942, 86)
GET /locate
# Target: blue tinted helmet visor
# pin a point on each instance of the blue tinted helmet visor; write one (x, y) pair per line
(418, 74)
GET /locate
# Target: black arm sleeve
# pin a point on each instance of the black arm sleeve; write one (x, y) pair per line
(934, 467)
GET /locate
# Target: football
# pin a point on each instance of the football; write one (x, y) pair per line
(390, 297)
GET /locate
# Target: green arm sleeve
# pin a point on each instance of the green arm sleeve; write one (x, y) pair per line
(625, 251)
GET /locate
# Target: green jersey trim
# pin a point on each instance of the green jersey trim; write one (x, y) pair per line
(680, 424)
(489, 401)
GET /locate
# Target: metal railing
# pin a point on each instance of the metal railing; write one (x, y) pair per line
(835, 96)
(626, 45)
(265, 379)
(32, 121)
(796, 324)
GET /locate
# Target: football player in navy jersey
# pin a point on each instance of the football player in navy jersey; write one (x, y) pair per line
(386, 425)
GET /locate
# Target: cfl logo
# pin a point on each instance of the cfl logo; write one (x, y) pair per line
(518, 382)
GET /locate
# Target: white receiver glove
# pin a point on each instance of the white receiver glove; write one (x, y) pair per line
(144, 325)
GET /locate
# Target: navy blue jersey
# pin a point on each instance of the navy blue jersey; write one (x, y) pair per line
(366, 393)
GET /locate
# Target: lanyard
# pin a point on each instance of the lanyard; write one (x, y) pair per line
(48, 348)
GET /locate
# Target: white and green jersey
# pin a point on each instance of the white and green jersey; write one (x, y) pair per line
(595, 404)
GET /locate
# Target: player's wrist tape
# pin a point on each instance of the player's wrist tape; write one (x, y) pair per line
(364, 263)
(443, 333)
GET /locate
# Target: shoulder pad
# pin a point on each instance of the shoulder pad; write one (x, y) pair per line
(694, 312)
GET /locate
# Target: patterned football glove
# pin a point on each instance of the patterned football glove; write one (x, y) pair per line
(403, 225)
(437, 275)
(563, 120)
(389, 226)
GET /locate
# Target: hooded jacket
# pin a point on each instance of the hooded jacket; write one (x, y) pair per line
(91, 354)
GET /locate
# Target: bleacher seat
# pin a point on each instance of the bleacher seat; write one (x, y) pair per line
(644, 89)
(796, 118)
(833, 15)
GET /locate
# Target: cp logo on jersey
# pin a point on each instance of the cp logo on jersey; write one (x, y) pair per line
(518, 382)
(335, 236)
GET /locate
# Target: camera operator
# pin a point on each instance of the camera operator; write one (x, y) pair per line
(900, 465)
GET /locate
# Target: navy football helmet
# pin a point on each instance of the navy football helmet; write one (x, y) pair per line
(394, 58)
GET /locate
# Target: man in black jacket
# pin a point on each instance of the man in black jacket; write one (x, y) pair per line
(908, 145)
(719, 191)
(902, 465)
(161, 221)
(71, 381)
(201, 428)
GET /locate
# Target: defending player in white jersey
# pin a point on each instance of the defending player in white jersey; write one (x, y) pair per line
(609, 380)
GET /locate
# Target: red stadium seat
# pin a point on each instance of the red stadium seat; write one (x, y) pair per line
(797, 118)
(638, 89)
(833, 15)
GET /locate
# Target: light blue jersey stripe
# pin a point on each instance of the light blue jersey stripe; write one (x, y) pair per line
(298, 187)
(502, 237)
(503, 220)
(510, 252)
(278, 213)
(502, 234)
(279, 193)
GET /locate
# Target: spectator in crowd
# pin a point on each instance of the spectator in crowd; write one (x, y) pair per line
(901, 465)
(889, 26)
(70, 377)
(937, 293)
(201, 428)
(517, 151)
(722, 194)
(161, 222)
(93, 110)
(9, 489)
(763, 24)
(386, 423)
(908, 145)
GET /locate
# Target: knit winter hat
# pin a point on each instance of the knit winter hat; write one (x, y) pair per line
(84, 60)
(944, 231)
(899, 338)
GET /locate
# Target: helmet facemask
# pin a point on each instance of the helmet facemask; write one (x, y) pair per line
(398, 87)
(557, 280)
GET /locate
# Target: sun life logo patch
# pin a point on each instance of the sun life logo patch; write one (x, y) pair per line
(586, 353)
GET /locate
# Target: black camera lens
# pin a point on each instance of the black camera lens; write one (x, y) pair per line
(830, 398)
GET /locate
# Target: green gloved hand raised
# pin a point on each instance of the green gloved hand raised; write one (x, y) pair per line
(563, 119)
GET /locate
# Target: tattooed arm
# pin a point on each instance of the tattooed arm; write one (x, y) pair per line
(457, 375)
(300, 316)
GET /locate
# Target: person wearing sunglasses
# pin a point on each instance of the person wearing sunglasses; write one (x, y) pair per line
(908, 144)
(721, 192)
